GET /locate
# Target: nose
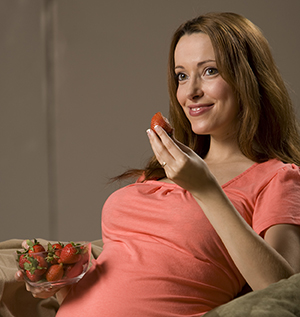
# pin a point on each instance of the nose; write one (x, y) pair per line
(194, 89)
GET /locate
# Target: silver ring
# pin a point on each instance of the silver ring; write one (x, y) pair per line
(163, 164)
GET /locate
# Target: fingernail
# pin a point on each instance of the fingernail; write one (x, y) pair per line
(157, 128)
(149, 132)
(18, 274)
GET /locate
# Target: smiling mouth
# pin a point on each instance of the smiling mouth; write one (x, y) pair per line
(198, 110)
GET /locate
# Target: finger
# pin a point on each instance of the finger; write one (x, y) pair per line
(28, 287)
(160, 151)
(184, 148)
(25, 244)
(174, 147)
(42, 293)
(19, 276)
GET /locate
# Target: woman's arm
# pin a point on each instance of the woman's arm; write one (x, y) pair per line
(260, 261)
(257, 260)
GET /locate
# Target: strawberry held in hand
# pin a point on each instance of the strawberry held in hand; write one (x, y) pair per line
(159, 119)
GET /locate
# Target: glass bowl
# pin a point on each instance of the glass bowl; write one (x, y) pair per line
(55, 264)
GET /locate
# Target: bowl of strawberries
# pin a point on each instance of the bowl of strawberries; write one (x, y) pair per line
(54, 264)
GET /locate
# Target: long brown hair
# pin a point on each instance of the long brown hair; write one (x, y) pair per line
(268, 127)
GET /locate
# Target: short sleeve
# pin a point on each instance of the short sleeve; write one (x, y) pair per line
(278, 202)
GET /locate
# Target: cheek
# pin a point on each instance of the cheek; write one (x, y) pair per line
(228, 101)
(180, 96)
(221, 91)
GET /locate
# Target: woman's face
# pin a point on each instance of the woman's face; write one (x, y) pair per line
(206, 98)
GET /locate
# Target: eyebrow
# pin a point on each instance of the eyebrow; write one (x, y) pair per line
(199, 64)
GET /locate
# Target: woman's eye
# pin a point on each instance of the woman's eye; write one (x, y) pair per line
(181, 76)
(211, 71)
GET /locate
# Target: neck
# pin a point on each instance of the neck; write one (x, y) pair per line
(221, 151)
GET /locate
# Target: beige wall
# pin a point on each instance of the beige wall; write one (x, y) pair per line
(74, 111)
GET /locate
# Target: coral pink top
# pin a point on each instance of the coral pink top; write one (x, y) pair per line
(162, 257)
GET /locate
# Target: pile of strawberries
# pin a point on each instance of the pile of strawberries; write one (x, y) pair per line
(56, 262)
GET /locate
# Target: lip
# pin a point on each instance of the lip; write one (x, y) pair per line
(197, 110)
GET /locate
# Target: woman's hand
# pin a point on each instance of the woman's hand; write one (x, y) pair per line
(37, 291)
(60, 292)
(182, 165)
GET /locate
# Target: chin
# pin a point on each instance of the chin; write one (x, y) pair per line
(199, 131)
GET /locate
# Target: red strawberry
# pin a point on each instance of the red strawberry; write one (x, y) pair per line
(36, 265)
(84, 250)
(23, 259)
(35, 247)
(159, 119)
(69, 254)
(41, 266)
(54, 252)
(55, 272)
(73, 270)
(33, 276)
(56, 247)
